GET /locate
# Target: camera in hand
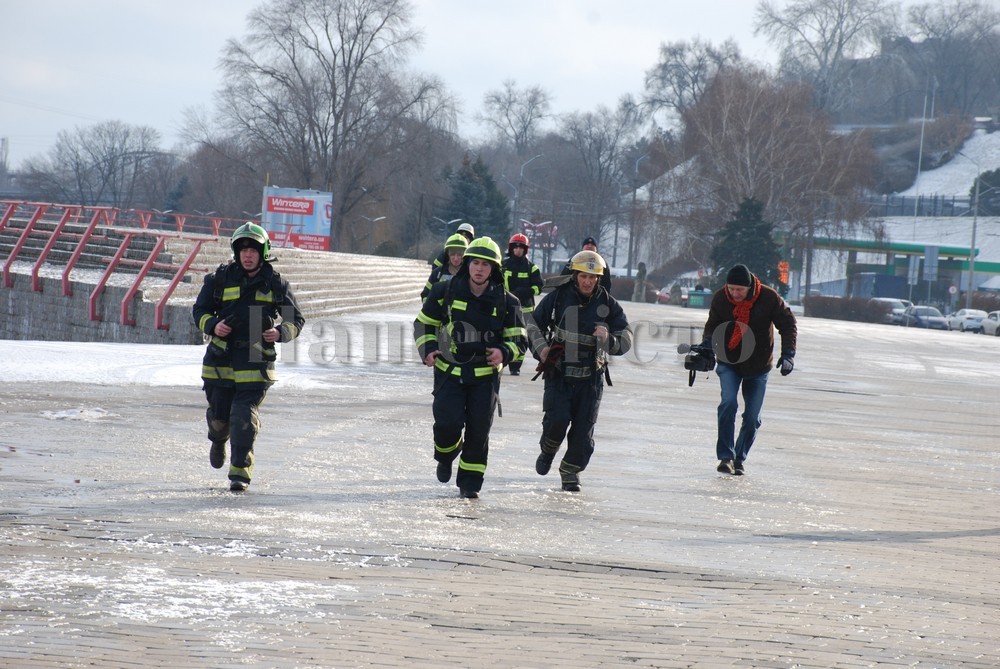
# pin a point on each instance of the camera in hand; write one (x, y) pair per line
(700, 359)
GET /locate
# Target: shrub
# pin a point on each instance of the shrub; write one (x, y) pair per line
(843, 308)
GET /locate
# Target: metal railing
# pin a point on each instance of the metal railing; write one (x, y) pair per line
(131, 224)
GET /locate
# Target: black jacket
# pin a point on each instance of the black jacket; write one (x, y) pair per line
(250, 305)
(564, 316)
(463, 325)
(754, 354)
(523, 278)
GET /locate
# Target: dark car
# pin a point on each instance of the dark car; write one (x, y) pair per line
(919, 316)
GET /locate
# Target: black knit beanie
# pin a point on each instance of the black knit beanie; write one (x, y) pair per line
(739, 275)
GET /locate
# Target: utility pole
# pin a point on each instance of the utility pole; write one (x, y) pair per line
(631, 227)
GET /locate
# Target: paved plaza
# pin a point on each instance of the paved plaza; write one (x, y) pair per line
(866, 532)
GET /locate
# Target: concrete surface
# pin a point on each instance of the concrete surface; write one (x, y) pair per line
(865, 533)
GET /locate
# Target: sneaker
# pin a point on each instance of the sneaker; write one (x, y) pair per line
(544, 463)
(726, 467)
(217, 454)
(468, 494)
(238, 486)
(444, 471)
(738, 467)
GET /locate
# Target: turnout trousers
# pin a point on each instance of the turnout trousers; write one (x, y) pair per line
(233, 413)
(463, 416)
(571, 407)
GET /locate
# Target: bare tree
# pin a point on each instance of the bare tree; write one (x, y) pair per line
(514, 115)
(684, 71)
(959, 52)
(819, 39)
(600, 140)
(103, 164)
(758, 137)
(317, 85)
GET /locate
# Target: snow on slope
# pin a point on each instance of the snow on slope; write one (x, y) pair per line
(958, 175)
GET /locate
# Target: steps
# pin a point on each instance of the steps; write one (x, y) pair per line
(101, 247)
(325, 284)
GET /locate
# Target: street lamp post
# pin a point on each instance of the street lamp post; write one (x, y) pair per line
(520, 182)
(446, 224)
(371, 229)
(972, 246)
(631, 227)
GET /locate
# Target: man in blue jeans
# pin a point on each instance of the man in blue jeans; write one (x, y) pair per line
(740, 332)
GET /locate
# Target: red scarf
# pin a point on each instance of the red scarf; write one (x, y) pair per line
(741, 311)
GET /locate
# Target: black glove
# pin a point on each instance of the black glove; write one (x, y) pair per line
(786, 362)
(705, 349)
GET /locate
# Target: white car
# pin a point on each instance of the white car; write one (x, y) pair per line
(991, 324)
(966, 320)
(893, 307)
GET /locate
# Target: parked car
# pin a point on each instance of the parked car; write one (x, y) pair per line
(894, 308)
(919, 316)
(966, 319)
(663, 295)
(991, 324)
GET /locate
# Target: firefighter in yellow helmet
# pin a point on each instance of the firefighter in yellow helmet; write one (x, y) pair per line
(245, 308)
(523, 278)
(454, 249)
(467, 232)
(590, 244)
(467, 330)
(573, 330)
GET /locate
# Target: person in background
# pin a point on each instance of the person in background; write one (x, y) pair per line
(245, 308)
(467, 231)
(522, 278)
(484, 330)
(590, 244)
(584, 324)
(740, 333)
(455, 250)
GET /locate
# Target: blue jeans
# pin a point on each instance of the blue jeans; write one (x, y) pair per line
(753, 400)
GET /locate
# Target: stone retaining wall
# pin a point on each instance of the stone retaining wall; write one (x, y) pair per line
(51, 316)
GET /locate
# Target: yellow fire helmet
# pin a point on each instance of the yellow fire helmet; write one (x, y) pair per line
(456, 241)
(588, 262)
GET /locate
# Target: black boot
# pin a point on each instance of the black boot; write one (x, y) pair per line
(217, 454)
(444, 471)
(570, 476)
(544, 462)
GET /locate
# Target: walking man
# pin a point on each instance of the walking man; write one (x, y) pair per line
(740, 332)
(245, 308)
(522, 278)
(481, 330)
(575, 327)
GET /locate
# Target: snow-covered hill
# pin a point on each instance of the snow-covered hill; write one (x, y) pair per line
(959, 174)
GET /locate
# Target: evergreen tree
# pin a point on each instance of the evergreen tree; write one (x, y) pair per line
(748, 239)
(989, 193)
(476, 199)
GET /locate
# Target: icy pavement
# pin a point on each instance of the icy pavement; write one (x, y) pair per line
(864, 534)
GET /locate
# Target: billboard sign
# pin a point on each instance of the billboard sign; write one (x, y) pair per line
(297, 218)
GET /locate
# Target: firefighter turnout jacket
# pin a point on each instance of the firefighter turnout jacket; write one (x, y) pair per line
(463, 325)
(249, 305)
(523, 278)
(566, 317)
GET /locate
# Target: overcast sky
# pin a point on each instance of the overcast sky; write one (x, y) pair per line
(67, 63)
